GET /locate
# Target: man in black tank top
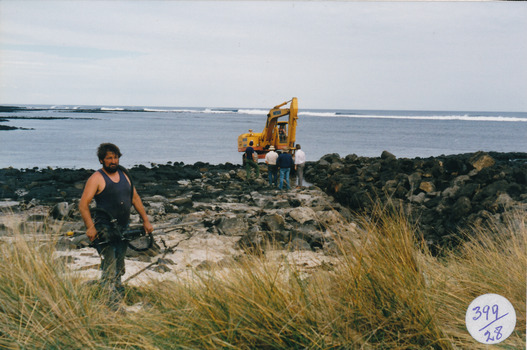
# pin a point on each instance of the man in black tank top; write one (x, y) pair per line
(114, 194)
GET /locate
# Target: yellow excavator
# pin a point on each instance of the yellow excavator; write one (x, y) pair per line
(280, 134)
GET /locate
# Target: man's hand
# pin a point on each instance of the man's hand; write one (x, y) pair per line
(91, 233)
(148, 227)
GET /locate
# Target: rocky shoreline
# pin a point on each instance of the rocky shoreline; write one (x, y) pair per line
(443, 195)
(204, 216)
(216, 198)
(213, 215)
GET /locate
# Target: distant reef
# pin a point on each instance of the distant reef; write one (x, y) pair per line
(7, 127)
(16, 109)
(9, 109)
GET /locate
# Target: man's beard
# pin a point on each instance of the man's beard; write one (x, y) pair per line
(111, 168)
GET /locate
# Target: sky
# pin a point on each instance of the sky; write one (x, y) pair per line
(465, 56)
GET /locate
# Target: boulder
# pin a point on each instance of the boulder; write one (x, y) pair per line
(61, 210)
(303, 215)
(481, 160)
(387, 156)
(462, 207)
(273, 222)
(233, 226)
(427, 186)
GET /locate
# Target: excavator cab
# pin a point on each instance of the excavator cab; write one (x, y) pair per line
(282, 133)
(278, 133)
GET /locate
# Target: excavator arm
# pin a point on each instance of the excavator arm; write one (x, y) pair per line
(272, 119)
(280, 134)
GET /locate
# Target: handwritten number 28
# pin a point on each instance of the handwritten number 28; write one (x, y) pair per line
(497, 330)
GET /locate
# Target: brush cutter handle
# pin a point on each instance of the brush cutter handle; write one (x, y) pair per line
(111, 232)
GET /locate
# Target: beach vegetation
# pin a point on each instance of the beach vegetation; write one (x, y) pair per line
(386, 291)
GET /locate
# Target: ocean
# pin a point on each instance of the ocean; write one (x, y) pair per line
(68, 136)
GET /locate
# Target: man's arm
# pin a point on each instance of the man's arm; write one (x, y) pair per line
(91, 188)
(138, 205)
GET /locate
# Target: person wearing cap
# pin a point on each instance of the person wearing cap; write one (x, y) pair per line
(285, 163)
(300, 162)
(249, 157)
(270, 160)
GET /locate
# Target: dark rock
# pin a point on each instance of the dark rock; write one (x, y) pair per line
(273, 222)
(443, 194)
(387, 156)
(468, 190)
(462, 207)
(491, 189)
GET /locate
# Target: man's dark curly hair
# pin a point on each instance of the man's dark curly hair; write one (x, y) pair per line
(107, 147)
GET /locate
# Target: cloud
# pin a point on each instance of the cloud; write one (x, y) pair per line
(329, 54)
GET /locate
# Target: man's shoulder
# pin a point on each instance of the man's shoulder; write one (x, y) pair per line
(95, 183)
(96, 178)
(96, 175)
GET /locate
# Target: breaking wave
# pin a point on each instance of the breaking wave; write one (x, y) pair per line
(409, 115)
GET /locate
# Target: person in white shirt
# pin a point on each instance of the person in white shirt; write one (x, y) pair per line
(270, 160)
(300, 162)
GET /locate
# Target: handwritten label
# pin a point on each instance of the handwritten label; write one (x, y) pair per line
(490, 318)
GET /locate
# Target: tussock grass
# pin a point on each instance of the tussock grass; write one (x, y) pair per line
(382, 288)
(385, 292)
(43, 307)
(493, 260)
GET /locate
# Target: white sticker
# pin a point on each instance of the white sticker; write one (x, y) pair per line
(490, 318)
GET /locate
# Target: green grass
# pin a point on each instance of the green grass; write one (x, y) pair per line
(386, 292)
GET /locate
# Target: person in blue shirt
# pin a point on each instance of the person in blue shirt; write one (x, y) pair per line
(285, 163)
